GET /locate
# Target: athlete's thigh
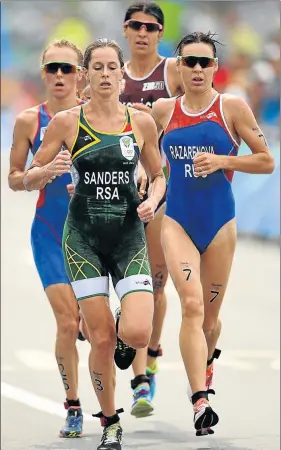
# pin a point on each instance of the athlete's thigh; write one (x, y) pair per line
(87, 273)
(131, 274)
(155, 252)
(47, 253)
(182, 259)
(97, 315)
(129, 264)
(63, 302)
(216, 264)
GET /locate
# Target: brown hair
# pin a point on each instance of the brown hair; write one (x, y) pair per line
(64, 43)
(102, 43)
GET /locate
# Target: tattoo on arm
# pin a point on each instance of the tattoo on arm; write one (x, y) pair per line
(260, 135)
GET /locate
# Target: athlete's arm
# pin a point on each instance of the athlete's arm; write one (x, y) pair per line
(19, 150)
(261, 160)
(175, 82)
(161, 113)
(150, 157)
(47, 162)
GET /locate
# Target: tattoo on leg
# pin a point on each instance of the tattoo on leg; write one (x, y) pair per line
(215, 291)
(100, 387)
(215, 294)
(158, 280)
(188, 273)
(186, 269)
(63, 376)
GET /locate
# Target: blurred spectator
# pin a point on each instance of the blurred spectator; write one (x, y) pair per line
(249, 59)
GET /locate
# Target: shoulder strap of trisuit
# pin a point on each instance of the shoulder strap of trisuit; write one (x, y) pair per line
(128, 115)
(81, 115)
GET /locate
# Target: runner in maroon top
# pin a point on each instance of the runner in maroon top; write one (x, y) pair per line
(148, 77)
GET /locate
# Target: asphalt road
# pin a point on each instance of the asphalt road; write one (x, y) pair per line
(246, 378)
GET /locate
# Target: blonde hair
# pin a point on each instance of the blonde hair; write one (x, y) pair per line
(64, 43)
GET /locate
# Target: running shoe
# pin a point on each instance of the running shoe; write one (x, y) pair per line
(142, 406)
(204, 416)
(210, 369)
(151, 372)
(111, 438)
(124, 354)
(73, 426)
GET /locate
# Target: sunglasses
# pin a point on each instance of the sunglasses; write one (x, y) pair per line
(149, 26)
(54, 66)
(192, 60)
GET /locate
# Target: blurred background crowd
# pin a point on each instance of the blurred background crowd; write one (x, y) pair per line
(249, 63)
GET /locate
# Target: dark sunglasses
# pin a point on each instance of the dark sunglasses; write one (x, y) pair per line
(192, 60)
(54, 66)
(149, 26)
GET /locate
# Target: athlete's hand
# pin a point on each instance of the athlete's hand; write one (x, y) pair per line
(206, 163)
(142, 107)
(146, 210)
(70, 189)
(142, 181)
(60, 164)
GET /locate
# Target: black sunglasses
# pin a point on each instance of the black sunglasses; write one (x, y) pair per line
(192, 60)
(149, 26)
(54, 66)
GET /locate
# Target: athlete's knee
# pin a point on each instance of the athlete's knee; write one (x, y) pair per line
(68, 330)
(103, 339)
(137, 336)
(192, 306)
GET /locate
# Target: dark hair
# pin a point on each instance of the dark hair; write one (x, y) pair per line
(102, 43)
(148, 8)
(198, 36)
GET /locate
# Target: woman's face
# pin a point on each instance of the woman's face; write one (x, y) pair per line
(104, 71)
(143, 39)
(58, 60)
(195, 77)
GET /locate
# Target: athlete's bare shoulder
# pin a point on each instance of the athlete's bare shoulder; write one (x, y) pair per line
(28, 116)
(164, 103)
(234, 101)
(26, 123)
(141, 118)
(67, 119)
(174, 79)
(162, 110)
(235, 106)
(69, 114)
